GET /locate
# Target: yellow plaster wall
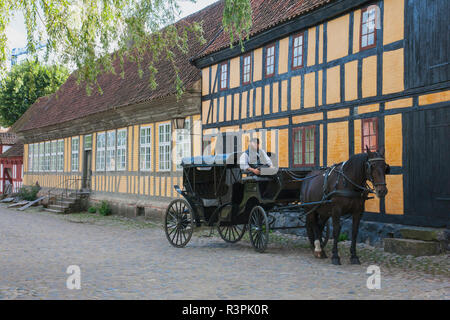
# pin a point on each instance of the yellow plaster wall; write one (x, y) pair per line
(333, 85)
(229, 108)
(267, 99)
(221, 109)
(307, 118)
(283, 146)
(295, 92)
(283, 61)
(257, 71)
(394, 198)
(393, 139)
(393, 22)
(434, 98)
(393, 71)
(311, 46)
(236, 107)
(320, 44)
(310, 89)
(205, 81)
(337, 142)
(214, 81)
(351, 80)
(369, 77)
(357, 136)
(284, 103)
(234, 72)
(244, 106)
(275, 97)
(400, 103)
(337, 40)
(258, 101)
(356, 30)
(368, 108)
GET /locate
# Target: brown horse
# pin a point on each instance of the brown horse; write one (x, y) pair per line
(345, 184)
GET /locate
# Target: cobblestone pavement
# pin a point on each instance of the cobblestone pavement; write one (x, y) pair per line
(123, 260)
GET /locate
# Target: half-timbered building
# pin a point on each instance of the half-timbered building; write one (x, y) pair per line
(335, 76)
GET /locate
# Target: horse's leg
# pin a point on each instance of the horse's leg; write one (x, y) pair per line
(355, 227)
(310, 228)
(336, 231)
(318, 253)
(322, 222)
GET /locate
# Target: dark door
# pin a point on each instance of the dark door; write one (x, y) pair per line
(428, 165)
(87, 169)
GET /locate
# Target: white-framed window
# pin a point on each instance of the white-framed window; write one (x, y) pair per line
(145, 148)
(53, 153)
(183, 143)
(60, 156)
(41, 156)
(47, 156)
(75, 159)
(121, 149)
(164, 146)
(110, 150)
(297, 51)
(223, 75)
(36, 157)
(246, 68)
(30, 156)
(100, 157)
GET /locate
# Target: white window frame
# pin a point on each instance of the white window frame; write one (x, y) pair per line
(30, 156)
(110, 150)
(121, 153)
(47, 147)
(60, 155)
(41, 156)
(183, 143)
(145, 148)
(75, 152)
(224, 76)
(165, 140)
(53, 152)
(100, 153)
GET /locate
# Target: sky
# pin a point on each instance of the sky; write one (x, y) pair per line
(17, 37)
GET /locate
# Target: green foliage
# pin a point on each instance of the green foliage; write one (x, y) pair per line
(343, 237)
(85, 33)
(104, 209)
(28, 193)
(24, 84)
(92, 210)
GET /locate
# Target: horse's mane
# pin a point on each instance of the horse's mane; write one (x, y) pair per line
(355, 165)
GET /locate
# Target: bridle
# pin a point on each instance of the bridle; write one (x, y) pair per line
(369, 164)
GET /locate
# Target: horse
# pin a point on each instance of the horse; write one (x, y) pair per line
(342, 189)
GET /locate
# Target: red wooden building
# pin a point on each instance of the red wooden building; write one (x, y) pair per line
(11, 163)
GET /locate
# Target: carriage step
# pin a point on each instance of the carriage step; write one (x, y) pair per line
(412, 247)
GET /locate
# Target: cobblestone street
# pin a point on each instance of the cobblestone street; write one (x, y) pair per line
(121, 259)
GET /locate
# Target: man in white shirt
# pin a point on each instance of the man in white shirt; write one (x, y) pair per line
(254, 158)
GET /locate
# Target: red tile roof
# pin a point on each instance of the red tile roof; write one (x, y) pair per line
(267, 14)
(71, 102)
(15, 151)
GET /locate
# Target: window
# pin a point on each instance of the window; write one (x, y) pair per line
(297, 51)
(270, 60)
(304, 146)
(47, 156)
(60, 156)
(369, 134)
(183, 143)
(164, 147)
(246, 68)
(145, 151)
(110, 151)
(36, 157)
(75, 159)
(30, 157)
(100, 157)
(121, 149)
(368, 31)
(53, 155)
(41, 156)
(223, 75)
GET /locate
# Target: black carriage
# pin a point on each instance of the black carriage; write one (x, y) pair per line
(217, 194)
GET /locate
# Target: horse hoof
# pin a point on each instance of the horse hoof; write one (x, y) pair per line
(336, 261)
(355, 260)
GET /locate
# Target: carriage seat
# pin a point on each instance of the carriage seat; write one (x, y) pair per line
(210, 202)
(257, 178)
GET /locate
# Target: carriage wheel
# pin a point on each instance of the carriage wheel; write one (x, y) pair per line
(258, 229)
(179, 223)
(232, 234)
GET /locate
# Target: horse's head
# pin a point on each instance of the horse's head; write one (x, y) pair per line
(376, 171)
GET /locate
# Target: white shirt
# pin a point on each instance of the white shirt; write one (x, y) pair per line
(245, 160)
